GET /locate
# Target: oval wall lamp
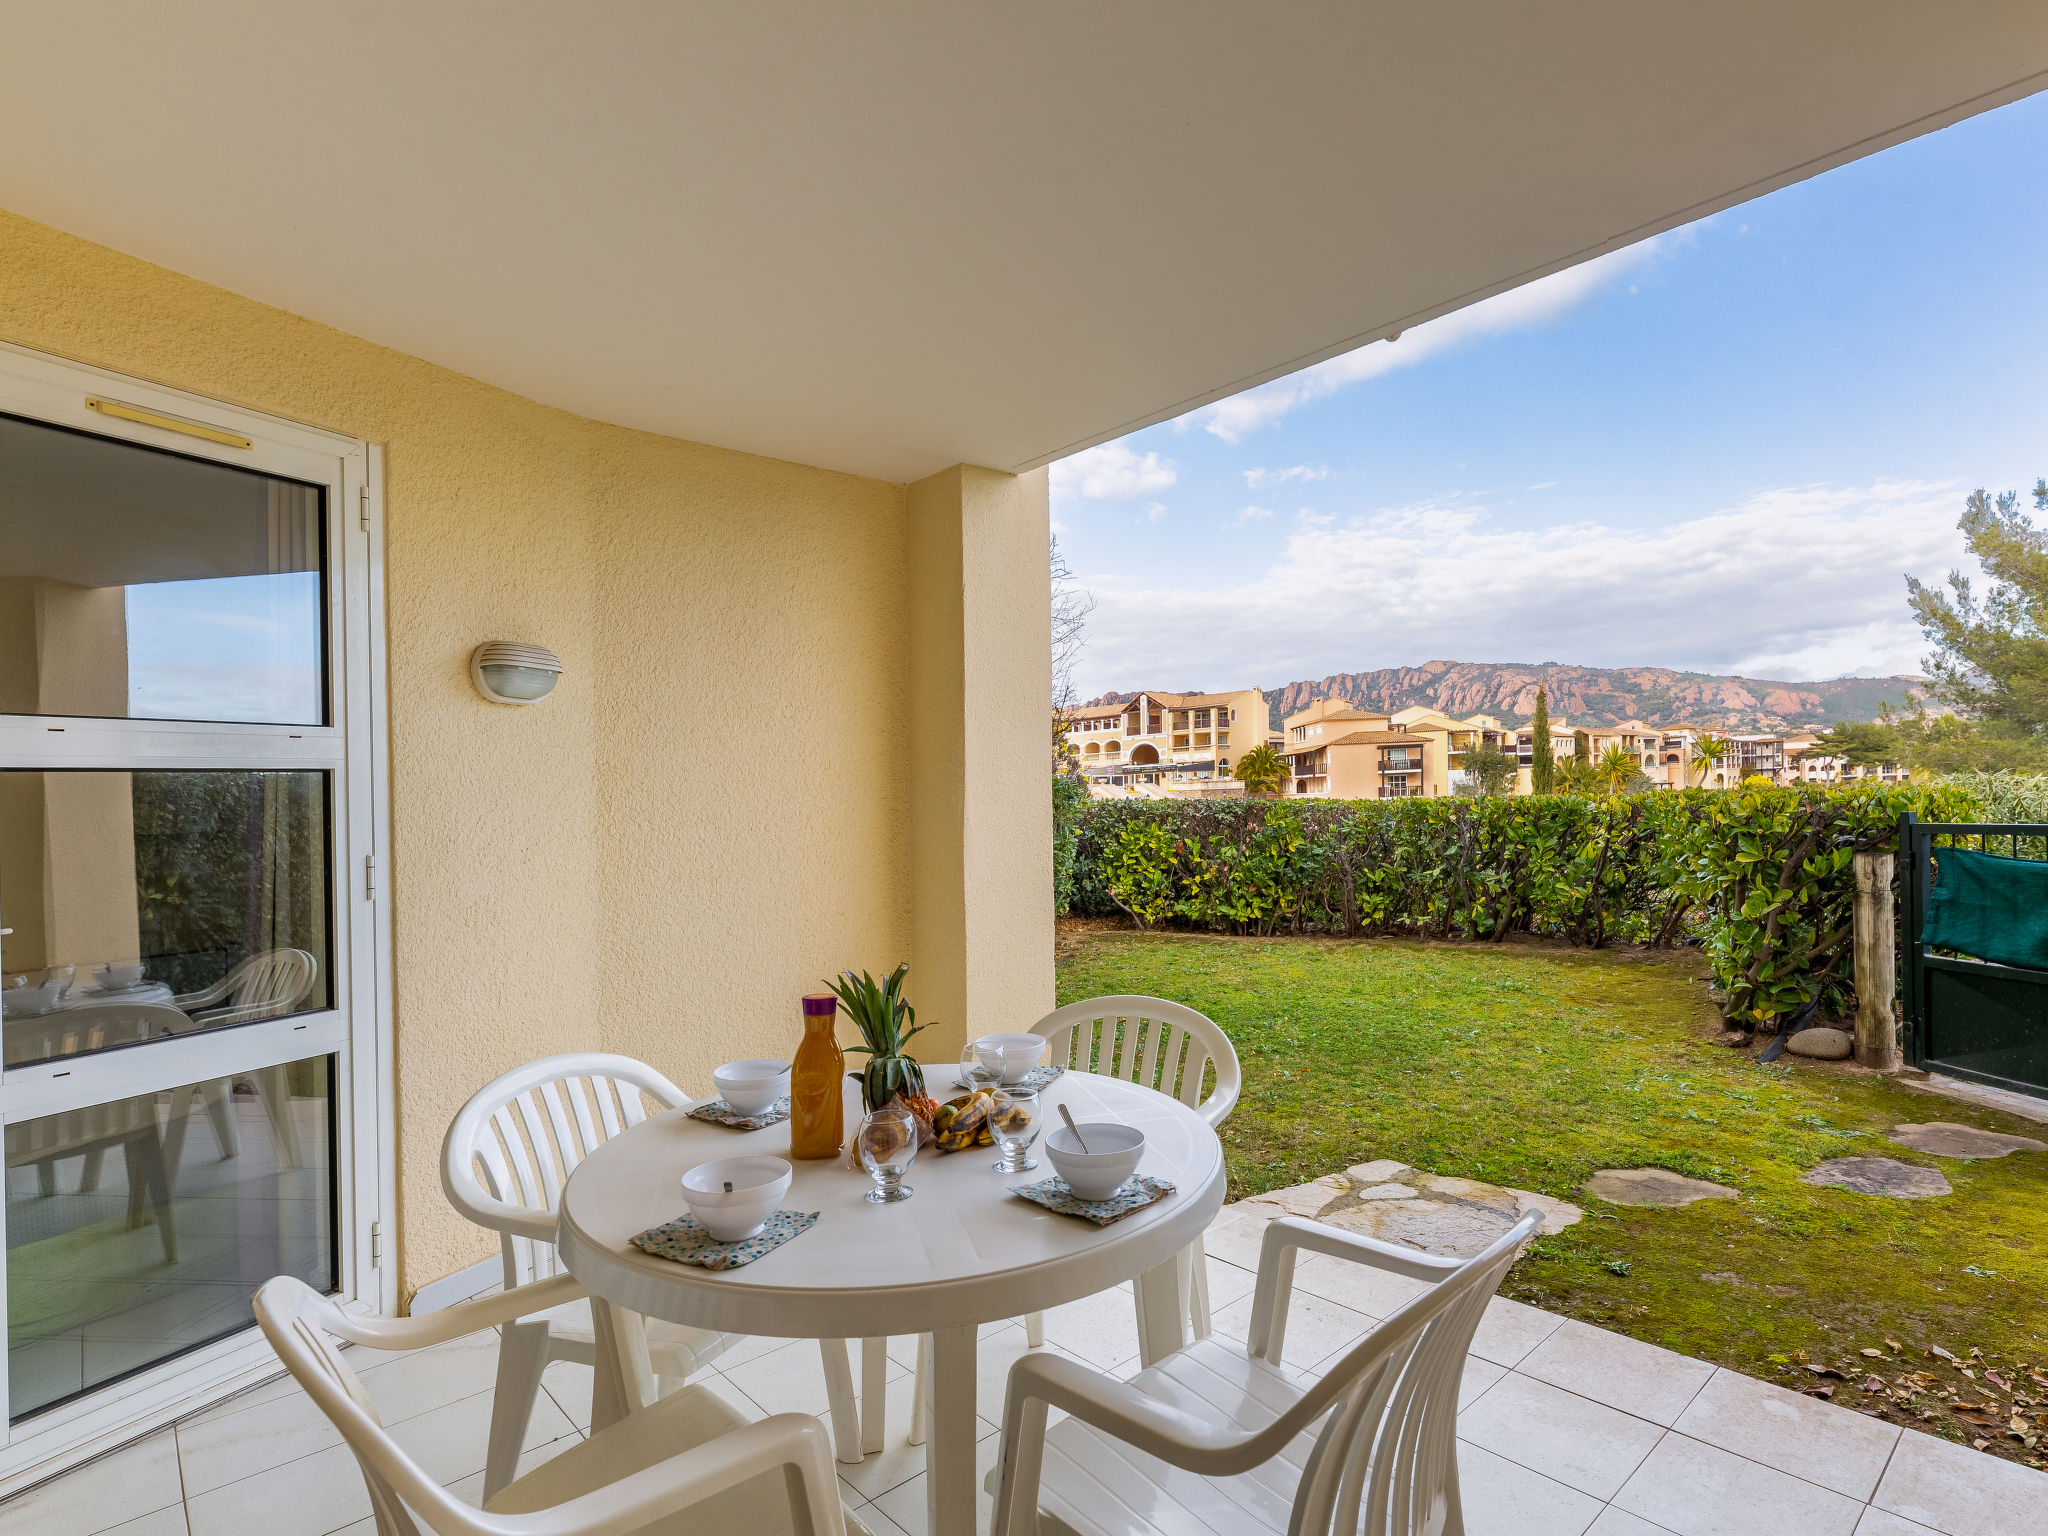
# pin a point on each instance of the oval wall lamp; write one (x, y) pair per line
(507, 672)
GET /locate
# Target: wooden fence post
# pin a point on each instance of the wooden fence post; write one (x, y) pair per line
(1877, 1038)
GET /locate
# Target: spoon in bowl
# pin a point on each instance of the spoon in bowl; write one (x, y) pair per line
(1068, 1116)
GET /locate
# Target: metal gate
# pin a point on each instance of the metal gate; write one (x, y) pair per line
(1971, 1018)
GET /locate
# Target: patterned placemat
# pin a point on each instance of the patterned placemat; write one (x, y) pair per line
(685, 1241)
(718, 1112)
(1038, 1077)
(1133, 1195)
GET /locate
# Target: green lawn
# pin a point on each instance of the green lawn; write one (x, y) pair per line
(1533, 1067)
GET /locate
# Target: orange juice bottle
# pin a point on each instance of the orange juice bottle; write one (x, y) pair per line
(817, 1079)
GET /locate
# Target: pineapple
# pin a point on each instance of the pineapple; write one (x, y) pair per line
(886, 1023)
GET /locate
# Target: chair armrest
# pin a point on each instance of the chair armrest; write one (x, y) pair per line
(796, 1441)
(453, 1322)
(190, 1000)
(1285, 1237)
(1194, 1443)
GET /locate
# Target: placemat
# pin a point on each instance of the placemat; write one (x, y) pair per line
(718, 1112)
(1133, 1195)
(686, 1242)
(1038, 1077)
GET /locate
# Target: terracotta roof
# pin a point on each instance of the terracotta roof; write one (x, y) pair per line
(1373, 738)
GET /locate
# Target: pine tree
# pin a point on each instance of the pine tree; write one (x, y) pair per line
(1543, 766)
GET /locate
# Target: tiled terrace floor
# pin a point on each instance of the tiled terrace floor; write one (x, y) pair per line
(1565, 1429)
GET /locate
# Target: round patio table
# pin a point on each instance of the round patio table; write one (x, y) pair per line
(959, 1253)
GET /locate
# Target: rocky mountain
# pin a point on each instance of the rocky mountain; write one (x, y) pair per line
(1599, 695)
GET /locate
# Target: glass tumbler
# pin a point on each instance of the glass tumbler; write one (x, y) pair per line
(1013, 1121)
(887, 1145)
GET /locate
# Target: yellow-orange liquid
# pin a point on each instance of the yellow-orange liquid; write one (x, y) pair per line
(817, 1101)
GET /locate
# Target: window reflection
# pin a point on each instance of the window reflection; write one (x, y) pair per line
(146, 585)
(150, 903)
(141, 1228)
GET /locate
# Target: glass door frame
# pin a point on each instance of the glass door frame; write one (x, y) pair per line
(356, 1030)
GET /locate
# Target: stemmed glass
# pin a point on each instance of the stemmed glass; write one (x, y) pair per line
(887, 1145)
(1013, 1121)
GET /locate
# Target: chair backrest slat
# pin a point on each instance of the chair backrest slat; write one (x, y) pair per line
(520, 1136)
(1164, 1045)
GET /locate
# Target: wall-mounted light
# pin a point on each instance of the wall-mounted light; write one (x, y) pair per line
(507, 672)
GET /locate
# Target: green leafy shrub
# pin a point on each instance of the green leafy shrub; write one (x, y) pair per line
(1759, 876)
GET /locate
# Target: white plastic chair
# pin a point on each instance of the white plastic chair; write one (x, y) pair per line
(688, 1466)
(504, 1162)
(1161, 1045)
(267, 985)
(1212, 1438)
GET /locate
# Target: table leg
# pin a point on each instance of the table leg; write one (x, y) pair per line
(874, 1393)
(1162, 1314)
(624, 1377)
(949, 1491)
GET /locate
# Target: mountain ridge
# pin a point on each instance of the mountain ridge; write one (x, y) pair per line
(1658, 696)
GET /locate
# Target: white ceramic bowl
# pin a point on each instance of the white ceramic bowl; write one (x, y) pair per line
(1012, 1055)
(118, 978)
(26, 1002)
(751, 1086)
(758, 1185)
(1112, 1157)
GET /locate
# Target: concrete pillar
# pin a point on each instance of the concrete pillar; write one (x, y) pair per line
(979, 754)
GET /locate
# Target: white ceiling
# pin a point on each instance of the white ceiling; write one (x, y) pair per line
(886, 238)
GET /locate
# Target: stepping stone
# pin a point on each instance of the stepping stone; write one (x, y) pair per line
(1398, 1204)
(1658, 1187)
(1878, 1176)
(1944, 1138)
(1821, 1044)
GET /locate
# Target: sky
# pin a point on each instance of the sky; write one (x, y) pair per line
(1720, 450)
(226, 648)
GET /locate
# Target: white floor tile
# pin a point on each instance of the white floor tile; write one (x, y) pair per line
(1478, 1377)
(165, 1522)
(904, 1503)
(1624, 1373)
(786, 1381)
(449, 1442)
(220, 1448)
(1227, 1282)
(1502, 1499)
(1835, 1447)
(117, 1488)
(1582, 1444)
(1619, 1522)
(570, 1385)
(404, 1386)
(1700, 1490)
(1374, 1292)
(1510, 1330)
(1877, 1522)
(308, 1497)
(1317, 1329)
(898, 1461)
(1100, 1329)
(1961, 1492)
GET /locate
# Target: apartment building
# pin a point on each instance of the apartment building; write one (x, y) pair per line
(1340, 752)
(1180, 745)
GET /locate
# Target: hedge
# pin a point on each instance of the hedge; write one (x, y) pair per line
(1759, 876)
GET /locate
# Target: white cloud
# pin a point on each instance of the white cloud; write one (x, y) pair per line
(1309, 517)
(1254, 514)
(1803, 582)
(1518, 309)
(1112, 473)
(1259, 479)
(1156, 512)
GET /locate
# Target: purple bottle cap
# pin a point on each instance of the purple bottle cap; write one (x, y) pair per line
(819, 1002)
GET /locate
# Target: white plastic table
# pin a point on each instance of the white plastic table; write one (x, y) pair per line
(960, 1253)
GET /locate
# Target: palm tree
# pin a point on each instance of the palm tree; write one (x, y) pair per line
(1617, 768)
(1262, 770)
(1708, 753)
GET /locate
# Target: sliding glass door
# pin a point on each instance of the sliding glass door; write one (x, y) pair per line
(191, 1067)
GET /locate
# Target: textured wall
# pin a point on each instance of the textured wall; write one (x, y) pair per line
(705, 818)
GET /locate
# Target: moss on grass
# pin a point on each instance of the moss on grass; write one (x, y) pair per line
(1533, 1067)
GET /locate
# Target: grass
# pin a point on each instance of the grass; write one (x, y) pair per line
(1532, 1067)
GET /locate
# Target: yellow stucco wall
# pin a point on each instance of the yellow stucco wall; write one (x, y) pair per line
(645, 862)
